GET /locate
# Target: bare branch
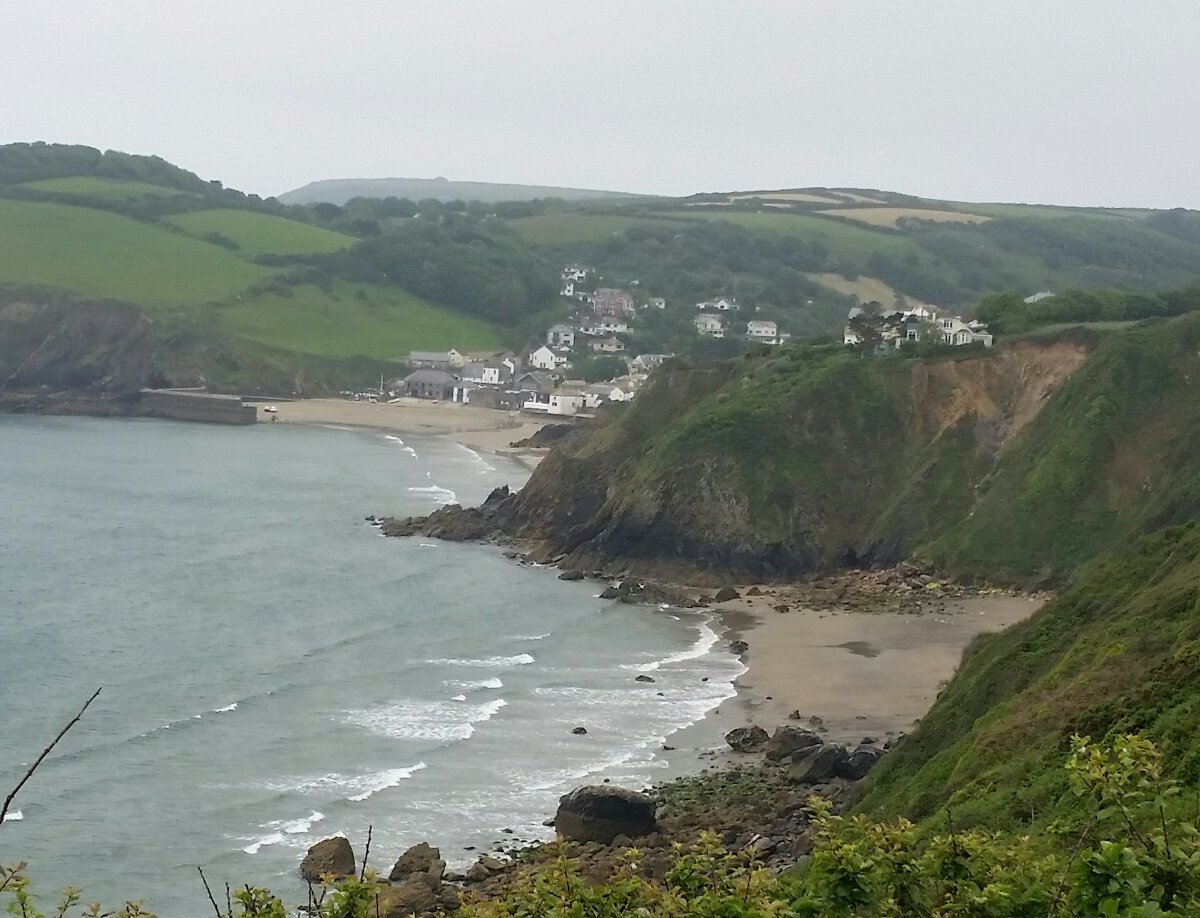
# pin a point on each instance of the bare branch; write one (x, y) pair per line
(366, 854)
(216, 908)
(45, 752)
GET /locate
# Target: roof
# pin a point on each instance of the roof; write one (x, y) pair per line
(430, 376)
(430, 356)
(561, 328)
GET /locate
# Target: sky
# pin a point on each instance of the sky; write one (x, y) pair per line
(1047, 101)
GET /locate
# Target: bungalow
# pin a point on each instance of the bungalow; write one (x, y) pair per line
(426, 383)
(428, 359)
(554, 403)
(762, 330)
(721, 304)
(560, 336)
(610, 345)
(713, 326)
(610, 302)
(604, 327)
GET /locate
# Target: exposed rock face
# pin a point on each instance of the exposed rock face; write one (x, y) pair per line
(415, 896)
(818, 765)
(331, 857)
(858, 763)
(787, 741)
(419, 859)
(600, 814)
(747, 739)
(571, 575)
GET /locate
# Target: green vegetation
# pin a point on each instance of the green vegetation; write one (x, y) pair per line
(350, 319)
(561, 229)
(261, 234)
(106, 255)
(117, 189)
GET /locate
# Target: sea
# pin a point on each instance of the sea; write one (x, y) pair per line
(275, 672)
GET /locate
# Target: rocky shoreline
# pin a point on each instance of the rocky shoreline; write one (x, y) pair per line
(757, 807)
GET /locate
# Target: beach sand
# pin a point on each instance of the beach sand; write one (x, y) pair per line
(477, 428)
(862, 673)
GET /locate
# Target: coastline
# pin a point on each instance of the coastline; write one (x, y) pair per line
(858, 673)
(475, 428)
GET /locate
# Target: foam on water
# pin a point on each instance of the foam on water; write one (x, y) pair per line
(494, 683)
(443, 496)
(384, 779)
(520, 659)
(703, 644)
(226, 709)
(14, 816)
(426, 721)
(279, 829)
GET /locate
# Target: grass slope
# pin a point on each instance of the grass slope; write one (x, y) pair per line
(353, 319)
(339, 191)
(102, 254)
(104, 188)
(262, 234)
(1118, 652)
(570, 228)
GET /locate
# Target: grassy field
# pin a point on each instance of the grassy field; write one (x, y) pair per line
(101, 254)
(567, 229)
(262, 234)
(889, 216)
(866, 289)
(802, 197)
(846, 240)
(354, 320)
(112, 189)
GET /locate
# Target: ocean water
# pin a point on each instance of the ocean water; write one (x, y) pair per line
(275, 672)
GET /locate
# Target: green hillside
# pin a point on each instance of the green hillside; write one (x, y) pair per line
(353, 319)
(568, 228)
(261, 234)
(1118, 652)
(339, 191)
(91, 186)
(102, 254)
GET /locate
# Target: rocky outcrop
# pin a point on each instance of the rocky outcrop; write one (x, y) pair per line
(747, 739)
(600, 814)
(818, 764)
(332, 857)
(422, 859)
(786, 742)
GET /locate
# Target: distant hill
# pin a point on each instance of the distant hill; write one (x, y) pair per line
(339, 191)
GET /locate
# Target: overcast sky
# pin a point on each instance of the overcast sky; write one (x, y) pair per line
(1089, 102)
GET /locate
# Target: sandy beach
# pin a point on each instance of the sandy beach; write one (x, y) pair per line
(862, 673)
(477, 428)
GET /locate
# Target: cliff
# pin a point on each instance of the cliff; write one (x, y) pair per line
(1016, 464)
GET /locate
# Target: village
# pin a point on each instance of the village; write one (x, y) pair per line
(558, 376)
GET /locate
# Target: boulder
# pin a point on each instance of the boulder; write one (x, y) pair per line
(579, 731)
(725, 594)
(747, 739)
(642, 678)
(571, 575)
(331, 857)
(414, 896)
(754, 591)
(419, 859)
(819, 765)
(611, 592)
(858, 763)
(600, 814)
(738, 647)
(787, 741)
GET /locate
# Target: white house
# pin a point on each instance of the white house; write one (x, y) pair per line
(762, 330)
(710, 325)
(957, 332)
(560, 336)
(721, 304)
(488, 372)
(545, 359)
(644, 363)
(555, 403)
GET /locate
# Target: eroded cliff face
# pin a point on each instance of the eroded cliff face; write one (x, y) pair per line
(778, 465)
(77, 346)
